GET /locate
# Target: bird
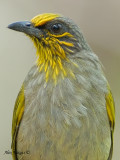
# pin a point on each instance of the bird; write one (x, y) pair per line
(65, 108)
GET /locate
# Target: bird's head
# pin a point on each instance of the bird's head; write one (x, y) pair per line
(56, 39)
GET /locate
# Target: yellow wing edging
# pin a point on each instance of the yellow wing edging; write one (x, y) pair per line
(17, 116)
(110, 108)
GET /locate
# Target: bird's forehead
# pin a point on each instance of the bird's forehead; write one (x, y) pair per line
(42, 19)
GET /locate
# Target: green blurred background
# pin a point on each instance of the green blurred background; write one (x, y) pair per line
(100, 23)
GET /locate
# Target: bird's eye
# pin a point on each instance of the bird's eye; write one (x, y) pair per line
(56, 28)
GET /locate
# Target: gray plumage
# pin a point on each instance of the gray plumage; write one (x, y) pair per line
(66, 121)
(69, 120)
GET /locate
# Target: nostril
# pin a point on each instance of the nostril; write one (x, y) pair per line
(28, 24)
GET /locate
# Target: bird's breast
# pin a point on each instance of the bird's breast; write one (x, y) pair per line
(63, 121)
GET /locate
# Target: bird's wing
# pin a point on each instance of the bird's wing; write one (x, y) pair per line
(111, 115)
(17, 116)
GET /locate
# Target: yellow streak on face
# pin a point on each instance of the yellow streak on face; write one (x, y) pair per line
(68, 44)
(50, 59)
(42, 19)
(62, 35)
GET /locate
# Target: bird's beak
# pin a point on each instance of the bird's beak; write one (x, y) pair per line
(23, 26)
(26, 27)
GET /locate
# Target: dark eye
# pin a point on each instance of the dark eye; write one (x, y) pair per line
(56, 28)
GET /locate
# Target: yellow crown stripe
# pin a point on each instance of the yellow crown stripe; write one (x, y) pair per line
(42, 19)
